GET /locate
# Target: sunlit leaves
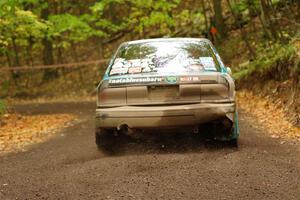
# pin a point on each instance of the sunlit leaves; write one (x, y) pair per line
(19, 25)
(99, 7)
(70, 28)
(150, 14)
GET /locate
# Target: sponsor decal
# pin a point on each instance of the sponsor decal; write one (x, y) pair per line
(208, 63)
(134, 70)
(117, 65)
(147, 69)
(171, 79)
(135, 80)
(189, 79)
(135, 62)
(118, 71)
(195, 68)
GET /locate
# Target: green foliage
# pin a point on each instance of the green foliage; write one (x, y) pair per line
(144, 16)
(141, 16)
(24, 26)
(240, 6)
(278, 61)
(69, 28)
(19, 26)
(99, 7)
(189, 22)
(99, 21)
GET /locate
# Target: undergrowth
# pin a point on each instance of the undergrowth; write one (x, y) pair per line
(278, 62)
(2, 107)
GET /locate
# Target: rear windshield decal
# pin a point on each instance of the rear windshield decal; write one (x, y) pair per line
(208, 63)
(164, 58)
(118, 65)
(119, 71)
(134, 70)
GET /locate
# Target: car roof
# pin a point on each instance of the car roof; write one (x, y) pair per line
(167, 39)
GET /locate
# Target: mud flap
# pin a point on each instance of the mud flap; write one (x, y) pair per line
(234, 132)
(236, 129)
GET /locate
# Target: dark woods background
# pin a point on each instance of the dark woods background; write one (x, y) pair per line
(251, 35)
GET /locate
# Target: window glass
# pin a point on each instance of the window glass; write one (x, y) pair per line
(164, 57)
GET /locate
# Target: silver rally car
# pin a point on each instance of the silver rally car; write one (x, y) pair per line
(164, 84)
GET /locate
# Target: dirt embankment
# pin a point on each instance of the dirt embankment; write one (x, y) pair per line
(279, 84)
(284, 96)
(269, 115)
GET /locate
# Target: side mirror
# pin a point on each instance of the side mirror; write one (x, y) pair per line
(229, 70)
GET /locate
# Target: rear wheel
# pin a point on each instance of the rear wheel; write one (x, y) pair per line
(104, 139)
(110, 141)
(222, 130)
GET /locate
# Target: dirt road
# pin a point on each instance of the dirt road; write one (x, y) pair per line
(169, 166)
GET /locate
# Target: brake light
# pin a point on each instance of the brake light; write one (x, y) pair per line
(112, 97)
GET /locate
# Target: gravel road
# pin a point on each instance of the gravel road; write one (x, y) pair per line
(158, 166)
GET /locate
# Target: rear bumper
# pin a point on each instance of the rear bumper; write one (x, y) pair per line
(163, 116)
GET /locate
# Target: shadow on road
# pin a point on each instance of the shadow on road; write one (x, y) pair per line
(144, 143)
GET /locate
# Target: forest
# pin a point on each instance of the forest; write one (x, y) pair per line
(256, 38)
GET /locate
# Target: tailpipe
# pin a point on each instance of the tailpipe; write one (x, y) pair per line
(124, 129)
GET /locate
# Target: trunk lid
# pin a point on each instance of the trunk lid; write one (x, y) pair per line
(162, 90)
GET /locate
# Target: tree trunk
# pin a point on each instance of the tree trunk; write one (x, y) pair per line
(15, 75)
(48, 58)
(205, 20)
(243, 33)
(8, 59)
(298, 8)
(263, 24)
(219, 20)
(252, 15)
(17, 60)
(265, 14)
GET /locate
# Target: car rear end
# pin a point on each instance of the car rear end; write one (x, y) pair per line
(167, 100)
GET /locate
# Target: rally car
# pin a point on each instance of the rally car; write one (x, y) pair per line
(160, 84)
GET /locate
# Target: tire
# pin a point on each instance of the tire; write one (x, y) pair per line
(105, 139)
(110, 141)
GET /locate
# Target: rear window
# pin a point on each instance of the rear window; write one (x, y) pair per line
(164, 57)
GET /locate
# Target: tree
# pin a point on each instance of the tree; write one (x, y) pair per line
(48, 58)
(264, 10)
(18, 30)
(243, 33)
(218, 18)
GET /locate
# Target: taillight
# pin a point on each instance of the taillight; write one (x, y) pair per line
(214, 92)
(112, 97)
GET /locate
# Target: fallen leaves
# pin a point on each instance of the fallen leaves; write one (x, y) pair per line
(269, 115)
(19, 131)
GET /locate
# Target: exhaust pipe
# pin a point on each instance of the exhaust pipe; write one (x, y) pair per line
(124, 129)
